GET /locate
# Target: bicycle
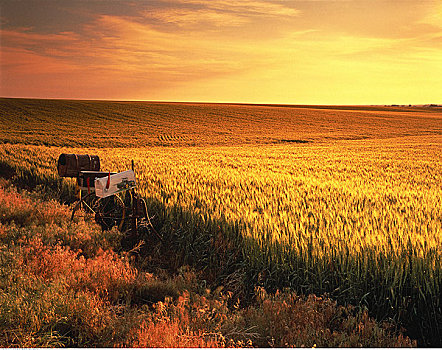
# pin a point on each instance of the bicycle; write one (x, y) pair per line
(117, 203)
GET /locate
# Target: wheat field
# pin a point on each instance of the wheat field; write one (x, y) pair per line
(337, 200)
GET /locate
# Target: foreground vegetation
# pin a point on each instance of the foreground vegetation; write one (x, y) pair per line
(357, 219)
(63, 284)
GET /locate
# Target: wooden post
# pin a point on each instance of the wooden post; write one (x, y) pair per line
(78, 191)
(134, 213)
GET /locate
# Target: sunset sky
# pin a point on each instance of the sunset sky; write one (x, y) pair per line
(295, 52)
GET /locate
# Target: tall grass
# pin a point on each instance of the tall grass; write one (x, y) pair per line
(55, 295)
(358, 221)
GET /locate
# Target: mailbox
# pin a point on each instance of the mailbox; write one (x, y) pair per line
(70, 165)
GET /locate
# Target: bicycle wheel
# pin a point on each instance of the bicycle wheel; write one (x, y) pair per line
(109, 212)
(87, 203)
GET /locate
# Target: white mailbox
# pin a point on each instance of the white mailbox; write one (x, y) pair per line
(109, 185)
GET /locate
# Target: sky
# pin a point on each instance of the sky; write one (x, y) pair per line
(250, 51)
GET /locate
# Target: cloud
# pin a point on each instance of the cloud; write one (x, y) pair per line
(27, 37)
(244, 8)
(190, 18)
(218, 20)
(25, 62)
(139, 47)
(430, 26)
(114, 55)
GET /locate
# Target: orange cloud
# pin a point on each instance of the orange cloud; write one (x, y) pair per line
(24, 62)
(434, 16)
(189, 17)
(245, 7)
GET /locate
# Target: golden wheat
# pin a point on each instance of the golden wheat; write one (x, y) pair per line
(360, 219)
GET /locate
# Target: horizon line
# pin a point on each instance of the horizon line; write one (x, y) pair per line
(271, 104)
